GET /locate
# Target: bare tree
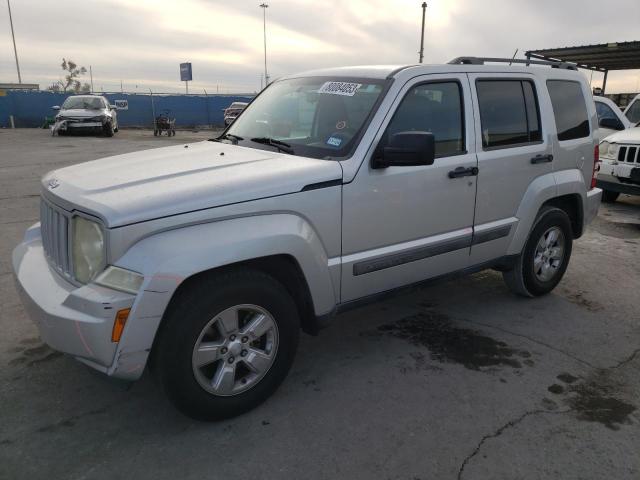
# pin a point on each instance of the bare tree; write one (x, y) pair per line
(71, 79)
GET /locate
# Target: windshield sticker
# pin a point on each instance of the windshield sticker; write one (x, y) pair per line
(340, 88)
(334, 141)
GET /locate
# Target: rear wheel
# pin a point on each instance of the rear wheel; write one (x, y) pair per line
(227, 343)
(545, 257)
(609, 197)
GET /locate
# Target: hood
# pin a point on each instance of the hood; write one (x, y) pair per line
(631, 135)
(81, 112)
(151, 184)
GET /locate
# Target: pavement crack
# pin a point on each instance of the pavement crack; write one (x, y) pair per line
(626, 361)
(19, 196)
(19, 221)
(500, 431)
(534, 340)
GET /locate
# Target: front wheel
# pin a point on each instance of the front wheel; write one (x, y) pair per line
(226, 344)
(545, 257)
(108, 129)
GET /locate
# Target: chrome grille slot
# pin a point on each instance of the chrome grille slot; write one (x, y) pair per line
(631, 155)
(54, 226)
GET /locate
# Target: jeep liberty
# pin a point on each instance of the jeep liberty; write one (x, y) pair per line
(332, 188)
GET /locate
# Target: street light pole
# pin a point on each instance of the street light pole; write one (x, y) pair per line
(424, 9)
(13, 36)
(264, 7)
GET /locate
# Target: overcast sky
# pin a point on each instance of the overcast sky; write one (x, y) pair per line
(141, 42)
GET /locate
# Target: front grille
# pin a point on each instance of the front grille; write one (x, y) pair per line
(54, 225)
(629, 154)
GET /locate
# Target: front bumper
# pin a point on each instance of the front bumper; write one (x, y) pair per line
(84, 124)
(611, 183)
(74, 320)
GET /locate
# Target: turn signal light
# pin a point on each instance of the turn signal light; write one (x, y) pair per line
(119, 323)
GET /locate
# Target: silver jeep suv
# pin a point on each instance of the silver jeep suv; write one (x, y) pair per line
(334, 187)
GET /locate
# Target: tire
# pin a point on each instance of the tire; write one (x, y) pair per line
(108, 129)
(609, 197)
(194, 319)
(540, 268)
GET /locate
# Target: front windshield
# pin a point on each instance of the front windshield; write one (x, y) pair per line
(89, 103)
(317, 117)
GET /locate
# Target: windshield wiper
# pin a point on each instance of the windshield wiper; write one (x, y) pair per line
(227, 136)
(282, 146)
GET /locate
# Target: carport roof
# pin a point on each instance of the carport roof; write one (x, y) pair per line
(603, 57)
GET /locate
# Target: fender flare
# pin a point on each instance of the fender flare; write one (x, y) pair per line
(168, 258)
(542, 189)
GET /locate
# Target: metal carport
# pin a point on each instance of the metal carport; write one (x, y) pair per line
(601, 58)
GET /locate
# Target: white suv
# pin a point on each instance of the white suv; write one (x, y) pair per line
(333, 187)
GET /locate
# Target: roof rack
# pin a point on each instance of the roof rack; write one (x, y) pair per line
(482, 60)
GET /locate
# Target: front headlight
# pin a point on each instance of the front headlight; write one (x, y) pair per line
(87, 249)
(608, 150)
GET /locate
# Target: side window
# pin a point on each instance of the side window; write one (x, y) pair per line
(435, 108)
(569, 109)
(509, 113)
(604, 111)
(633, 112)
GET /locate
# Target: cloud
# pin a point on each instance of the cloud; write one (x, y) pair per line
(142, 42)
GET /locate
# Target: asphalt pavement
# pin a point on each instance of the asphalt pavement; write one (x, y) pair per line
(459, 380)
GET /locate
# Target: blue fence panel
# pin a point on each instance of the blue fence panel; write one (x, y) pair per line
(29, 108)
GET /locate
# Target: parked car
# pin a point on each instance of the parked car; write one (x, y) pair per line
(86, 113)
(632, 112)
(610, 117)
(232, 112)
(619, 168)
(335, 187)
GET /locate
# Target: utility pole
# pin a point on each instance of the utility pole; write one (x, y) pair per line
(13, 36)
(424, 10)
(264, 7)
(91, 76)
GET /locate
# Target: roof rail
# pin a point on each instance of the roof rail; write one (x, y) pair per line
(482, 60)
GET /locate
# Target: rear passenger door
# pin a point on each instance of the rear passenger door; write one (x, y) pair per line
(513, 150)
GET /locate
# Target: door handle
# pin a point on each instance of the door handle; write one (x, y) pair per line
(542, 159)
(463, 172)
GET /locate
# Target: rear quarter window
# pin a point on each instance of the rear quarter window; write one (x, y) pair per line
(569, 109)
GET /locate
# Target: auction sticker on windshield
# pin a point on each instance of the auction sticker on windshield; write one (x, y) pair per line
(340, 88)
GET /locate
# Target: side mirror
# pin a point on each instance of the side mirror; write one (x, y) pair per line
(55, 107)
(406, 149)
(611, 123)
